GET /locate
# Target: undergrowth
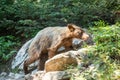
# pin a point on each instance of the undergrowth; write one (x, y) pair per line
(105, 58)
(8, 47)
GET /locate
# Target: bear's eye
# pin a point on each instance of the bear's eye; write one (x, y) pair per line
(79, 33)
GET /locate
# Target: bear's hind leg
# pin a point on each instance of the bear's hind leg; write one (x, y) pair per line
(29, 61)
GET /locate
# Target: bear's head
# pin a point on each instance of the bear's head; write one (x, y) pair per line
(77, 32)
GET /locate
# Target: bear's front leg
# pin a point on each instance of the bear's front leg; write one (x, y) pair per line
(67, 48)
(51, 53)
(42, 60)
(54, 48)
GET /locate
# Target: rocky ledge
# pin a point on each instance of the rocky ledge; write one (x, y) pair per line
(55, 68)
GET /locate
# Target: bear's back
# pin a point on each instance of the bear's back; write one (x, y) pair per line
(44, 38)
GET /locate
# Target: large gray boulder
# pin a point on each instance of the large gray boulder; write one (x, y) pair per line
(21, 56)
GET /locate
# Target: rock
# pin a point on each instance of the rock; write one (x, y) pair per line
(56, 75)
(80, 54)
(116, 74)
(77, 43)
(28, 77)
(18, 76)
(21, 56)
(90, 41)
(36, 76)
(60, 62)
(61, 49)
(12, 75)
(54, 67)
(3, 74)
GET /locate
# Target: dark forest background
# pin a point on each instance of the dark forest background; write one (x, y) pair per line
(20, 20)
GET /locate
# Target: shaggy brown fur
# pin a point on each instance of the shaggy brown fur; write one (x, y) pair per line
(46, 43)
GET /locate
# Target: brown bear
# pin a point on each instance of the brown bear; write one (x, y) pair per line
(49, 40)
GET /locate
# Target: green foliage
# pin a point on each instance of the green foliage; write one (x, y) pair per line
(25, 17)
(7, 47)
(107, 40)
(105, 55)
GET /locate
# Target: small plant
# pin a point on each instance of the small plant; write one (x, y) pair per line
(7, 47)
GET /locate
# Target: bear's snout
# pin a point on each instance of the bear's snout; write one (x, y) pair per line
(85, 36)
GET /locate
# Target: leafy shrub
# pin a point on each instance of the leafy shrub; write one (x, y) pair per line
(107, 40)
(107, 51)
(7, 47)
(105, 55)
(28, 16)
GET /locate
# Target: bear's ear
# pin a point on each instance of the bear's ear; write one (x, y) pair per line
(71, 27)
